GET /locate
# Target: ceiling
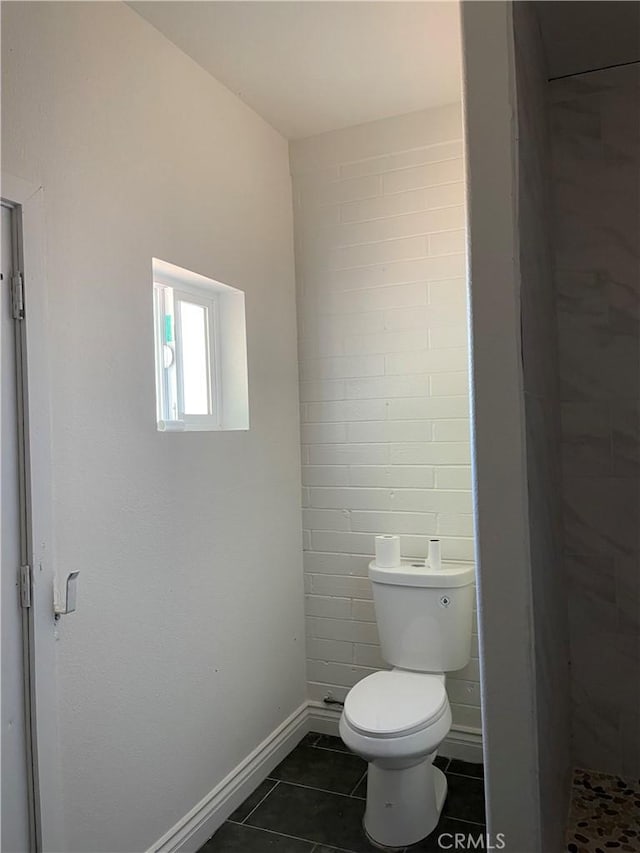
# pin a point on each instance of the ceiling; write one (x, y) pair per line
(584, 35)
(310, 67)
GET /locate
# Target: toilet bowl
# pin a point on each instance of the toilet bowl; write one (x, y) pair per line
(396, 721)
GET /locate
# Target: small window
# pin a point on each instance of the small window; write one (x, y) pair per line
(199, 327)
(187, 382)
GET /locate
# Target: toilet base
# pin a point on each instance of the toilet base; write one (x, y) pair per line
(403, 805)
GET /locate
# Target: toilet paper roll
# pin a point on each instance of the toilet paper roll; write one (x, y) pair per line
(435, 559)
(388, 552)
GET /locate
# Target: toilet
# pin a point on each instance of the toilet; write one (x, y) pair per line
(396, 719)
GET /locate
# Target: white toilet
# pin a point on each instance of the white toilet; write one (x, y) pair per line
(397, 719)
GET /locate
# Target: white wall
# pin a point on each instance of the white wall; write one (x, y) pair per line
(187, 647)
(383, 348)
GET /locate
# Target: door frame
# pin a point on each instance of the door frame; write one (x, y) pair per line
(24, 522)
(44, 762)
(501, 506)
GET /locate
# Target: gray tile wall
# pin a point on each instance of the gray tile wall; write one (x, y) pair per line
(595, 120)
(542, 419)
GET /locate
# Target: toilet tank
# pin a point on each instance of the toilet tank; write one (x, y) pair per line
(424, 616)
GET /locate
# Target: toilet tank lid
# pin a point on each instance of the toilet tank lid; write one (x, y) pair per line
(414, 573)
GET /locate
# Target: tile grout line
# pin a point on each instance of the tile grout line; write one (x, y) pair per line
(356, 786)
(315, 846)
(275, 832)
(331, 749)
(464, 776)
(270, 791)
(349, 796)
(300, 838)
(464, 820)
(320, 844)
(444, 769)
(479, 779)
(313, 788)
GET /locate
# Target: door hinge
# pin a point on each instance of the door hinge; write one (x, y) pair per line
(25, 586)
(17, 296)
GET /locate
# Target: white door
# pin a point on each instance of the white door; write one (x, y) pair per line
(15, 785)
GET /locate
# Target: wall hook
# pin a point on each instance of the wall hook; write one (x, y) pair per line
(66, 603)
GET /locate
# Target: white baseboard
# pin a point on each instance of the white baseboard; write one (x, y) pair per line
(323, 718)
(462, 742)
(198, 825)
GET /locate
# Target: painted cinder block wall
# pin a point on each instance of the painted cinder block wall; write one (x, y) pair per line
(383, 353)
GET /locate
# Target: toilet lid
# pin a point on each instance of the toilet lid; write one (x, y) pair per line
(387, 704)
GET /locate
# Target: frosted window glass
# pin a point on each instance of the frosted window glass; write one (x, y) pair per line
(195, 359)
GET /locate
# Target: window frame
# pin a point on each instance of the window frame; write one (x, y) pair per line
(207, 299)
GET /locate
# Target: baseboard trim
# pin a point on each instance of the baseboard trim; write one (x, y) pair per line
(462, 742)
(199, 824)
(323, 718)
(192, 831)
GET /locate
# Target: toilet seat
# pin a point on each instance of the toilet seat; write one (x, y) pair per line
(394, 704)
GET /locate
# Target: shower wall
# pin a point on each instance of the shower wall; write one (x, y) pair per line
(542, 428)
(595, 121)
(382, 317)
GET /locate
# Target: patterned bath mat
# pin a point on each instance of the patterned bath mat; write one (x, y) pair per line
(604, 815)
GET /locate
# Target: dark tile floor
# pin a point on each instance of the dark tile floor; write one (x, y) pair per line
(314, 801)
